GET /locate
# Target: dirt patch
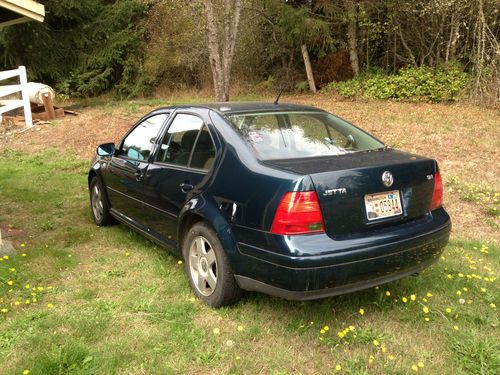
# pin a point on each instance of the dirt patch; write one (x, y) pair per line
(12, 234)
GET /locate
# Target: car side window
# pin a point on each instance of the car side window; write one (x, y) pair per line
(138, 144)
(179, 140)
(204, 151)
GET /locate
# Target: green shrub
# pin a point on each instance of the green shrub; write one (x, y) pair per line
(442, 84)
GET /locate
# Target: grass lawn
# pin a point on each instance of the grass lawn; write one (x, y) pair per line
(78, 299)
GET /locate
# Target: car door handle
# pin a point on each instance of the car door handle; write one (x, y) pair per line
(186, 187)
(139, 174)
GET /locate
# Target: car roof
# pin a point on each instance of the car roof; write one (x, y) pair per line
(247, 107)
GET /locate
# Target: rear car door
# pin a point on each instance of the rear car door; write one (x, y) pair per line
(125, 173)
(185, 155)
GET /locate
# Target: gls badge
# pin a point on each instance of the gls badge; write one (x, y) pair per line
(335, 192)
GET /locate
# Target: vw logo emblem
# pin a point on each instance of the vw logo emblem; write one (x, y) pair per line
(387, 178)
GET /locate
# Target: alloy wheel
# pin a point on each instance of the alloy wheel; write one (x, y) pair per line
(203, 265)
(97, 205)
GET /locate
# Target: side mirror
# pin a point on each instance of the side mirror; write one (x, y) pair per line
(106, 149)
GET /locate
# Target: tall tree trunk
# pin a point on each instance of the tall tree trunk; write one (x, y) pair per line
(222, 32)
(351, 8)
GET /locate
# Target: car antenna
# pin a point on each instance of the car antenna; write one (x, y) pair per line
(279, 95)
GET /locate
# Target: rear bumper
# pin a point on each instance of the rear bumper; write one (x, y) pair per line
(340, 266)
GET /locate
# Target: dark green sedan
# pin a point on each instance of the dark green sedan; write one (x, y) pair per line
(282, 199)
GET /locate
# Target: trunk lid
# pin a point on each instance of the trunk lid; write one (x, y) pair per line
(342, 182)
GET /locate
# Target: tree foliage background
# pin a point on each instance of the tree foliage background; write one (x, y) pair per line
(133, 47)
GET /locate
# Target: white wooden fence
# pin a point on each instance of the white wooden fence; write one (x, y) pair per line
(7, 105)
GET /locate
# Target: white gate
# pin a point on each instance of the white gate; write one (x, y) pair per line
(7, 105)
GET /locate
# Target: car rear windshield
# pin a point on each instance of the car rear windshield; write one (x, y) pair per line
(289, 135)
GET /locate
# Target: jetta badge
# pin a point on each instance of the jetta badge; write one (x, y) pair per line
(387, 178)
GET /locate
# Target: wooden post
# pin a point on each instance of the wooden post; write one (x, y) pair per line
(309, 72)
(48, 103)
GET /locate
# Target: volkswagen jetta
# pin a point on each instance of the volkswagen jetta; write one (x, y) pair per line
(283, 199)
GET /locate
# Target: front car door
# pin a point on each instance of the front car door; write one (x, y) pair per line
(185, 155)
(126, 170)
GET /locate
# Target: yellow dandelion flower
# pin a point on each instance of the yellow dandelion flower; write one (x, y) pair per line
(427, 319)
(455, 328)
(240, 328)
(17, 303)
(493, 306)
(414, 367)
(387, 293)
(429, 294)
(413, 297)
(27, 302)
(26, 372)
(23, 254)
(351, 328)
(376, 342)
(216, 331)
(10, 282)
(338, 368)
(371, 359)
(459, 292)
(384, 349)
(465, 289)
(420, 364)
(127, 253)
(23, 245)
(12, 269)
(404, 299)
(425, 309)
(6, 257)
(322, 331)
(27, 286)
(179, 262)
(361, 311)
(326, 328)
(448, 310)
(424, 299)
(460, 275)
(483, 290)
(450, 276)
(392, 358)
(50, 306)
(340, 334)
(4, 310)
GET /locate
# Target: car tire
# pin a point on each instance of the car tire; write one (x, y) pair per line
(99, 205)
(209, 272)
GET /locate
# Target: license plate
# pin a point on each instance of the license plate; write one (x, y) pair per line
(382, 205)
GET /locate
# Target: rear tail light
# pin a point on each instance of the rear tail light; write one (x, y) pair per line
(298, 213)
(437, 195)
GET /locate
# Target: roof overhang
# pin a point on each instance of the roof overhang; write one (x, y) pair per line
(18, 11)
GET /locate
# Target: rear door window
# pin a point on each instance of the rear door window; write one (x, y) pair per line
(187, 143)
